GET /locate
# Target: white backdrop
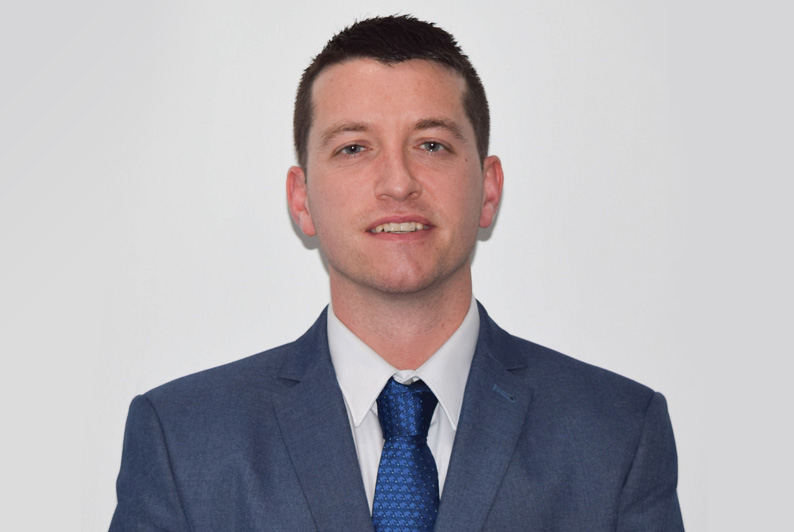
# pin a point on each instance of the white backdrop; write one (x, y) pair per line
(145, 234)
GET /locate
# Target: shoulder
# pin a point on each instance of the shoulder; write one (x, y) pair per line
(565, 375)
(563, 382)
(244, 383)
(257, 370)
(586, 410)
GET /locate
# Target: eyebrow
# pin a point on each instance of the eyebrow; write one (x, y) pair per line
(345, 127)
(441, 123)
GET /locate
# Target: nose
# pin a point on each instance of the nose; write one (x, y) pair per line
(396, 179)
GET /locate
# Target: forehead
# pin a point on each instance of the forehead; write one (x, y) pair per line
(366, 89)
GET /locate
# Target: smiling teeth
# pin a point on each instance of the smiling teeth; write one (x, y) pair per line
(404, 227)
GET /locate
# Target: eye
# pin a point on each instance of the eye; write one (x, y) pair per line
(432, 146)
(353, 149)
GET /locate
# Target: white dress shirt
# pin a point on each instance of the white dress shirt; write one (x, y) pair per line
(362, 374)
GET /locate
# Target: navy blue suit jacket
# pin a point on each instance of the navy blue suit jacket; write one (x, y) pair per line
(544, 443)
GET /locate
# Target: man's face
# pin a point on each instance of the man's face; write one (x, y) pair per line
(394, 187)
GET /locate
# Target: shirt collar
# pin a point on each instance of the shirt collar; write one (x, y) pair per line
(362, 374)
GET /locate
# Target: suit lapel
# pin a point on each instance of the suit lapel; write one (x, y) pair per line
(314, 423)
(494, 411)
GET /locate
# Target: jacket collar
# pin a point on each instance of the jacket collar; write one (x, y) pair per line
(495, 408)
(316, 431)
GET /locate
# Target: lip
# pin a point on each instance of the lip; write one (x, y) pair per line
(401, 218)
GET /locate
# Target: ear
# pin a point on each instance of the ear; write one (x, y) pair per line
(493, 178)
(298, 200)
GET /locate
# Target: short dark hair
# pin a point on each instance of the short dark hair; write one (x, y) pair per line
(393, 39)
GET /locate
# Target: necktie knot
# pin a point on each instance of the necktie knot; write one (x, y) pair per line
(405, 409)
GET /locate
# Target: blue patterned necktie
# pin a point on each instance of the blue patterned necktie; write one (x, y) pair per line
(406, 493)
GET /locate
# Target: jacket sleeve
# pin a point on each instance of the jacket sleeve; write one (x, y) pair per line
(147, 495)
(649, 501)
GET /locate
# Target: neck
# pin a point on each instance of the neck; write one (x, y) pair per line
(404, 329)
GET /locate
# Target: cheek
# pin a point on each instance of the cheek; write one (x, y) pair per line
(327, 205)
(470, 198)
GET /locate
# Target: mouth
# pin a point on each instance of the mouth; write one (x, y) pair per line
(399, 227)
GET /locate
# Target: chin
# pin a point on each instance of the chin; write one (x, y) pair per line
(405, 284)
(403, 288)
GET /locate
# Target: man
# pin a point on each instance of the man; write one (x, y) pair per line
(391, 133)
